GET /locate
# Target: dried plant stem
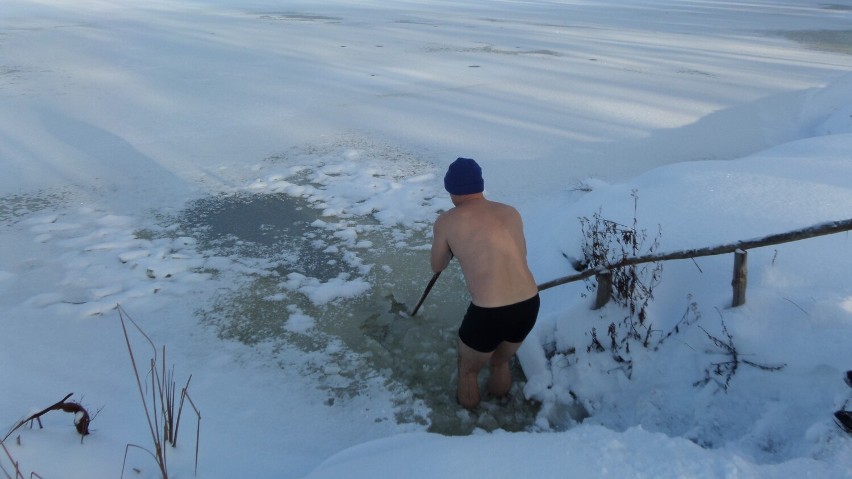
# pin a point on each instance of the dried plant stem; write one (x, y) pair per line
(163, 418)
(17, 470)
(159, 454)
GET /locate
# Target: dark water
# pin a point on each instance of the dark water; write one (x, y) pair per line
(836, 41)
(352, 343)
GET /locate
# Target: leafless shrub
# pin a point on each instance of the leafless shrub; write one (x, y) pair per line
(722, 372)
(606, 243)
(690, 316)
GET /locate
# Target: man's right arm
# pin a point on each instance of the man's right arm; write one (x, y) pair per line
(441, 253)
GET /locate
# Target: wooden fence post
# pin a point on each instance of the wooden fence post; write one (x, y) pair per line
(604, 279)
(740, 277)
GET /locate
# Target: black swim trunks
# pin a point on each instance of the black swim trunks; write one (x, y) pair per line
(483, 329)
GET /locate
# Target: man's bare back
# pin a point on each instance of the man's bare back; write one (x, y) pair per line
(487, 238)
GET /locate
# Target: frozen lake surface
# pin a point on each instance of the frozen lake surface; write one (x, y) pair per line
(256, 185)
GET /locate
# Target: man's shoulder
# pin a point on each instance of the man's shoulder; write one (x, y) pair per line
(445, 218)
(505, 208)
(442, 216)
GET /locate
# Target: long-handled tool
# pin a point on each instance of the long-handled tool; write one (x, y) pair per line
(426, 293)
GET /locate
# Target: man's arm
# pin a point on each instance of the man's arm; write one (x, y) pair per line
(441, 253)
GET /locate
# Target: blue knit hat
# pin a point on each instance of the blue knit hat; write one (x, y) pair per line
(464, 177)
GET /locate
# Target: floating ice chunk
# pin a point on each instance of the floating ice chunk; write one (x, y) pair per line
(115, 220)
(294, 281)
(185, 242)
(257, 184)
(421, 178)
(99, 293)
(99, 309)
(195, 277)
(54, 227)
(129, 256)
(44, 300)
(299, 323)
(171, 268)
(142, 291)
(112, 245)
(76, 293)
(323, 293)
(338, 211)
(847, 304)
(336, 381)
(102, 235)
(42, 219)
(218, 263)
(347, 235)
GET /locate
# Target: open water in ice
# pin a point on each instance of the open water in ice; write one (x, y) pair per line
(350, 345)
(837, 41)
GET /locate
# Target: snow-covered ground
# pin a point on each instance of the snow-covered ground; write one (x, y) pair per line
(250, 180)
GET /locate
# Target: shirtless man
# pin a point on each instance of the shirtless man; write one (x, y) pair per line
(488, 239)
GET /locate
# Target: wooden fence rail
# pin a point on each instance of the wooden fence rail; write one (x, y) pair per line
(739, 247)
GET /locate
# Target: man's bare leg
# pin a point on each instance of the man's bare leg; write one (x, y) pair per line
(500, 381)
(471, 362)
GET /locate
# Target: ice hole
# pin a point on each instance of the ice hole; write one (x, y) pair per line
(415, 356)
